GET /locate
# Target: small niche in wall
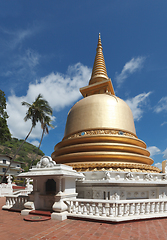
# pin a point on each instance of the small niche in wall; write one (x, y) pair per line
(50, 186)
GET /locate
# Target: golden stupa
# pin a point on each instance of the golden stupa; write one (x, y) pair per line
(100, 132)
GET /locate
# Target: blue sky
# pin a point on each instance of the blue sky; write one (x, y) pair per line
(48, 47)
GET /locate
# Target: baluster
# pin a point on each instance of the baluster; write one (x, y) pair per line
(130, 209)
(136, 208)
(119, 210)
(90, 209)
(13, 201)
(84, 209)
(82, 205)
(111, 206)
(10, 202)
(74, 207)
(165, 207)
(146, 208)
(107, 209)
(19, 202)
(23, 201)
(161, 207)
(79, 208)
(157, 207)
(125, 213)
(70, 207)
(103, 209)
(7, 201)
(152, 205)
(96, 209)
(141, 208)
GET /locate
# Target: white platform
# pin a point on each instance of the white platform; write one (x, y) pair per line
(115, 185)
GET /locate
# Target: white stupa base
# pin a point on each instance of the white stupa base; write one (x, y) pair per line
(115, 185)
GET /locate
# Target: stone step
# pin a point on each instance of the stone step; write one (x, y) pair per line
(41, 213)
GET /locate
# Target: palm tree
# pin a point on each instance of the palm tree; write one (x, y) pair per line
(39, 110)
(44, 125)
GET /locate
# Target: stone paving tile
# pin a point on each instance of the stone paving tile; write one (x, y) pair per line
(13, 227)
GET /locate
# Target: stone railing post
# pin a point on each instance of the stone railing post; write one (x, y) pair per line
(156, 207)
(90, 209)
(85, 209)
(96, 209)
(146, 208)
(131, 209)
(141, 208)
(136, 208)
(103, 209)
(111, 206)
(165, 207)
(161, 207)
(120, 210)
(152, 206)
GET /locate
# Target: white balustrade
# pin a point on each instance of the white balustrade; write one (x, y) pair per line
(117, 209)
(15, 202)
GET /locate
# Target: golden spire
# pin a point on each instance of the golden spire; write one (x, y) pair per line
(100, 82)
(99, 72)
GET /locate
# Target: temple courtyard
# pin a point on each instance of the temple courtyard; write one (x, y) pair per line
(12, 226)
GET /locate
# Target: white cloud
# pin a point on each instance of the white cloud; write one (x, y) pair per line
(13, 38)
(165, 153)
(58, 89)
(154, 150)
(23, 65)
(18, 62)
(130, 67)
(158, 165)
(35, 143)
(31, 58)
(162, 105)
(137, 103)
(163, 123)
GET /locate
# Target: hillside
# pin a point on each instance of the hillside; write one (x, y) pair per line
(26, 153)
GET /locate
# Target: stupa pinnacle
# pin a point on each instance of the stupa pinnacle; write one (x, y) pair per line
(100, 132)
(99, 72)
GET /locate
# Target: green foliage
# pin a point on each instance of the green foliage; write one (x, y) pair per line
(25, 155)
(39, 110)
(3, 113)
(4, 130)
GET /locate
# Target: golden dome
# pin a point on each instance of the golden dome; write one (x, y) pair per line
(100, 111)
(100, 132)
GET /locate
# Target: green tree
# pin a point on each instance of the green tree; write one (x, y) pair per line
(38, 111)
(4, 130)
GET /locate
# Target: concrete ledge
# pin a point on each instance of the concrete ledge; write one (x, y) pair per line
(118, 219)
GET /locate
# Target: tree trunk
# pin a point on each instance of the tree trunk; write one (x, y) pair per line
(38, 148)
(16, 154)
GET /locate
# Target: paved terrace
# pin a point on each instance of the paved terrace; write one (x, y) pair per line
(12, 226)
